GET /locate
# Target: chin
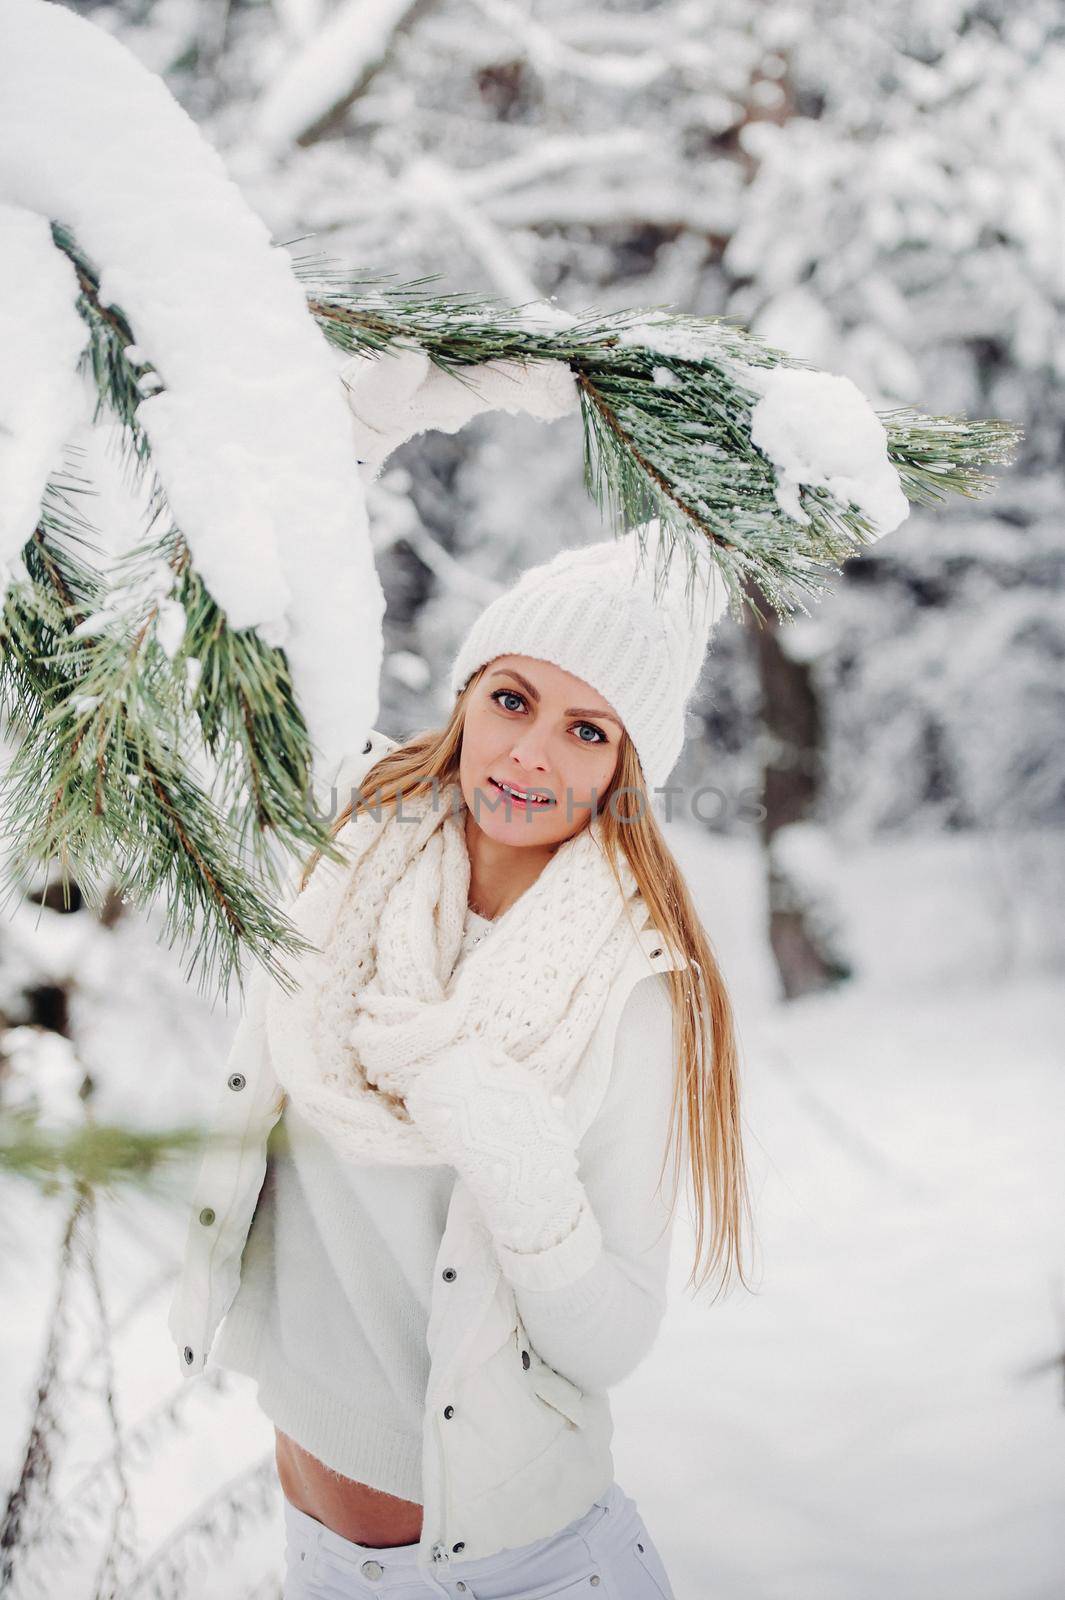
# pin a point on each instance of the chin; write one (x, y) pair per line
(516, 829)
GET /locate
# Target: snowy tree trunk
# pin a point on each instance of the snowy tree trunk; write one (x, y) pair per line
(800, 932)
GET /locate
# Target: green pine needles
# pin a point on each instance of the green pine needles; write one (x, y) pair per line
(183, 771)
(667, 426)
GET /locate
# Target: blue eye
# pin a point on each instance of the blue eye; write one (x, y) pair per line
(499, 695)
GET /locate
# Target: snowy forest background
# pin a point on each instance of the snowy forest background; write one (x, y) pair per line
(877, 189)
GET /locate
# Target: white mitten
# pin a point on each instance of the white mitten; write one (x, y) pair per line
(509, 1141)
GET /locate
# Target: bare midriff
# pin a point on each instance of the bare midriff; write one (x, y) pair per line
(354, 1510)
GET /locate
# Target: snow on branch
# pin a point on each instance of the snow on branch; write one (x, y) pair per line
(548, 53)
(543, 160)
(248, 433)
(774, 472)
(401, 393)
(328, 72)
(42, 338)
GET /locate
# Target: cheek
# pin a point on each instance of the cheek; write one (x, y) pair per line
(480, 741)
(593, 770)
(482, 747)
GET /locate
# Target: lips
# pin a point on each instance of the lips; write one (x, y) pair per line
(515, 797)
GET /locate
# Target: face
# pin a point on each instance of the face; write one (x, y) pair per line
(540, 731)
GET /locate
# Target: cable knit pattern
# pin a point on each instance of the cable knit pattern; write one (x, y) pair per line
(336, 1279)
(380, 1001)
(628, 615)
(511, 1145)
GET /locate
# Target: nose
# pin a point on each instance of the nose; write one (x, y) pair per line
(528, 752)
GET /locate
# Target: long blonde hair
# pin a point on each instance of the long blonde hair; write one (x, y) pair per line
(707, 1065)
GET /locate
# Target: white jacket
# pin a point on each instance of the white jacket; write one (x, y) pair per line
(512, 1450)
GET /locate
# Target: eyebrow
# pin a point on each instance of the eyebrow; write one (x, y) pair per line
(534, 694)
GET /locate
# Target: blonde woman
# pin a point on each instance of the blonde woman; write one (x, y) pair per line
(436, 1230)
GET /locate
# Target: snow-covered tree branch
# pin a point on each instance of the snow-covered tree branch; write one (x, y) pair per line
(255, 575)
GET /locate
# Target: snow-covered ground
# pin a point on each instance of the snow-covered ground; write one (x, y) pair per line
(881, 1416)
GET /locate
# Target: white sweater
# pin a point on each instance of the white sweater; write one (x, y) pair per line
(331, 1313)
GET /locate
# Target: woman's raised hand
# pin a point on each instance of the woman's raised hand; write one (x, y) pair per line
(507, 1136)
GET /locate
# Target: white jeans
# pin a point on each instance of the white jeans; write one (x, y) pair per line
(606, 1553)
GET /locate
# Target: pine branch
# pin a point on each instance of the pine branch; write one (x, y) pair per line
(121, 382)
(243, 696)
(210, 1531)
(667, 425)
(162, 769)
(18, 1532)
(230, 685)
(248, 719)
(937, 456)
(61, 1515)
(94, 1155)
(119, 1550)
(101, 780)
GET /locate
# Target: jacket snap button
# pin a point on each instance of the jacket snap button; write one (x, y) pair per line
(461, 1586)
(655, 953)
(189, 1356)
(237, 1080)
(449, 1274)
(457, 1547)
(639, 1546)
(367, 747)
(594, 1578)
(207, 1216)
(526, 1363)
(371, 1569)
(449, 1411)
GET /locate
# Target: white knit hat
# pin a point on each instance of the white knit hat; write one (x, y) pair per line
(628, 623)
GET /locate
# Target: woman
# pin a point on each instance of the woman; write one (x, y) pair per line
(459, 1245)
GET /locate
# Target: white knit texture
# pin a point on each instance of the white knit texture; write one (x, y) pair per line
(510, 1143)
(380, 1000)
(624, 621)
(330, 1317)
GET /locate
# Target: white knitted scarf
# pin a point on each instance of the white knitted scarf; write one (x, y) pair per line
(380, 995)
